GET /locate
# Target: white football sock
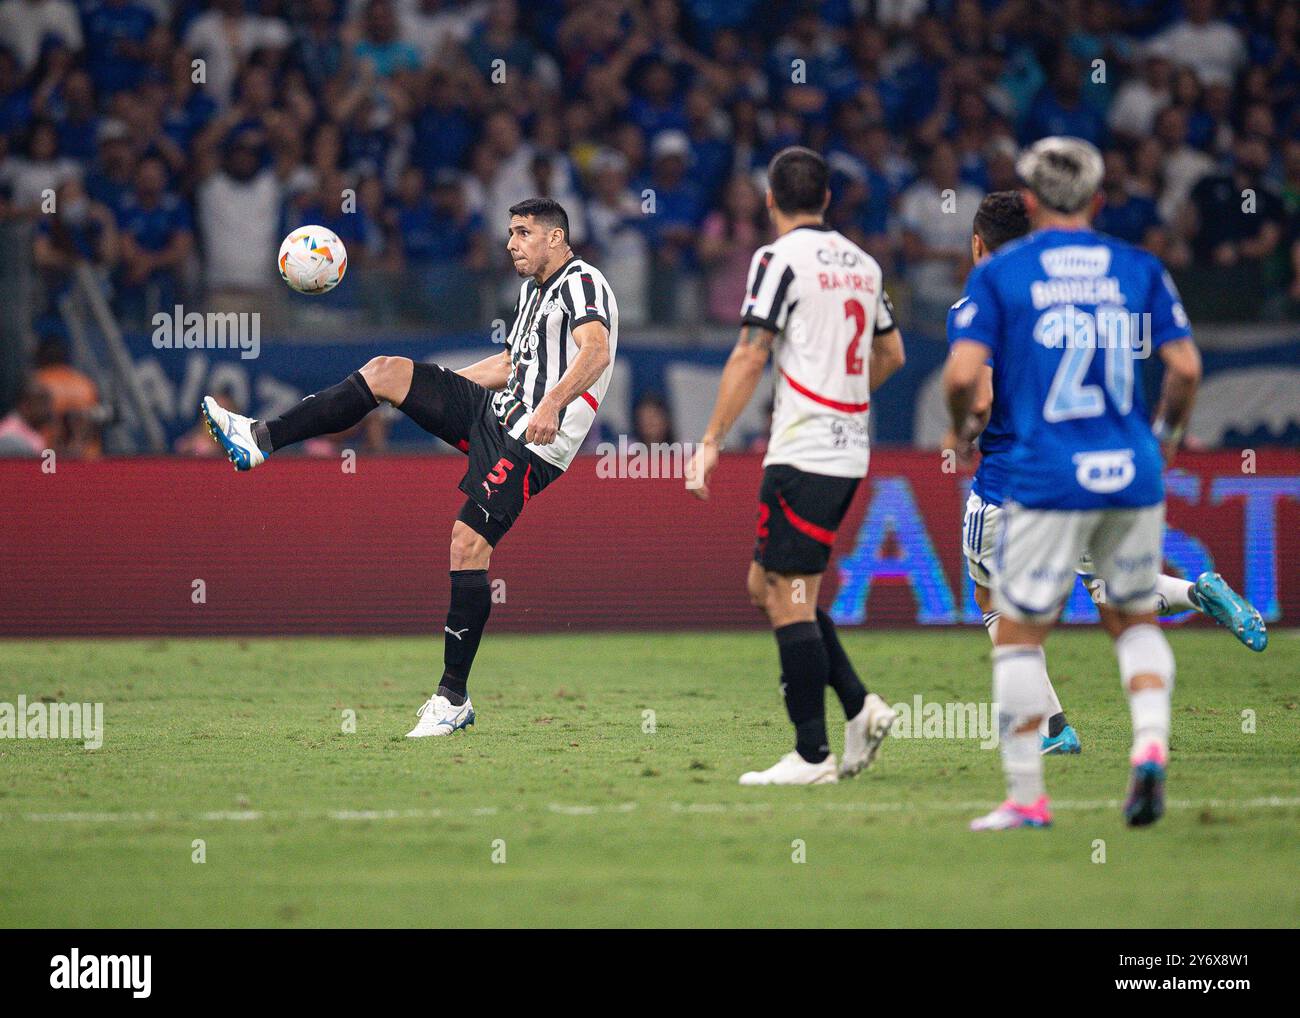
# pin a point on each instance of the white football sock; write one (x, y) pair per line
(1053, 701)
(1019, 680)
(1150, 709)
(1143, 650)
(1175, 592)
(991, 623)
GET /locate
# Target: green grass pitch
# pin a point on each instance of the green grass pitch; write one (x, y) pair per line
(559, 809)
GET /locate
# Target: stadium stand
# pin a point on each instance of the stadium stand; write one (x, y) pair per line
(182, 140)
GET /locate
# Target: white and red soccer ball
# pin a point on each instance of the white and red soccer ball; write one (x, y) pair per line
(312, 260)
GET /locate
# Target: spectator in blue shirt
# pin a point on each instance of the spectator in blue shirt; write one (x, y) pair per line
(116, 31)
(157, 236)
(444, 130)
(324, 206)
(499, 38)
(679, 209)
(81, 230)
(387, 54)
(1127, 215)
(15, 99)
(317, 44)
(76, 117)
(1059, 108)
(111, 177)
(656, 106)
(188, 107)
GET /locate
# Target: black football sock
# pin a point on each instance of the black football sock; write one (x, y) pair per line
(843, 679)
(262, 436)
(471, 603)
(325, 413)
(804, 667)
(1056, 724)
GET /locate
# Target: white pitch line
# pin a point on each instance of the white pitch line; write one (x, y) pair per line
(1262, 803)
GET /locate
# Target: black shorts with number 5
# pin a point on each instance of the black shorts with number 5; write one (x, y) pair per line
(503, 474)
(798, 515)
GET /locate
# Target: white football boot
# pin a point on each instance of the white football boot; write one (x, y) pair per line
(864, 733)
(234, 433)
(439, 717)
(792, 769)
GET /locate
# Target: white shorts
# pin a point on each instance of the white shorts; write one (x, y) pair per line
(979, 538)
(1040, 550)
(981, 525)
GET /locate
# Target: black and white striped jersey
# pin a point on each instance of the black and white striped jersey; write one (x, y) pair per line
(541, 348)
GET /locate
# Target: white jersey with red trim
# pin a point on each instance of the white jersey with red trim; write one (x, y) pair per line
(825, 299)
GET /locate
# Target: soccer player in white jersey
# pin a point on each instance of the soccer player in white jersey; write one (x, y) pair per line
(520, 415)
(1066, 315)
(1000, 219)
(816, 302)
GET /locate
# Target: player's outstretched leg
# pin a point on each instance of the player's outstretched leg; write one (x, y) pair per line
(1212, 595)
(248, 442)
(1146, 666)
(1018, 677)
(868, 718)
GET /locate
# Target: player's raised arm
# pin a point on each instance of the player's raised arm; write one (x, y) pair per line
(592, 340)
(740, 378)
(491, 372)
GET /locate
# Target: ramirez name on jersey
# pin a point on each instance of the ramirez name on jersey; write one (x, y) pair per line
(823, 297)
(541, 348)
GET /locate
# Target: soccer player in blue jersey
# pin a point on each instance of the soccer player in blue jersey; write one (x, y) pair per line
(1000, 219)
(1066, 314)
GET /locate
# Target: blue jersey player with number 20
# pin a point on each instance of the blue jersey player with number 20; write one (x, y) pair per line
(1066, 315)
(1000, 219)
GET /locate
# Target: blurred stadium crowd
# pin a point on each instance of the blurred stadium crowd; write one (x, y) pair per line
(408, 127)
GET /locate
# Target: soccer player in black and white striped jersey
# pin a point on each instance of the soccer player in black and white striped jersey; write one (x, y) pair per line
(520, 415)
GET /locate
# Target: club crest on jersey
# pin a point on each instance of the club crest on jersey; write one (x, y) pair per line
(527, 350)
(1076, 260)
(1105, 471)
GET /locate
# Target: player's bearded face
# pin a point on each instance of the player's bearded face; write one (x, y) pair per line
(528, 245)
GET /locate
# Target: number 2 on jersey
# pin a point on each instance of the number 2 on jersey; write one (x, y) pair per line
(853, 360)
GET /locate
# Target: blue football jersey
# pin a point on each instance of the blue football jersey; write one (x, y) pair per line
(995, 440)
(1068, 316)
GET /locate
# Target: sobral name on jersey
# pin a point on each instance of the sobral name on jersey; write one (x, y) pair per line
(1046, 293)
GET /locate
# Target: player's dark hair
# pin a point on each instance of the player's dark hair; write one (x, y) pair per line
(1001, 217)
(547, 211)
(798, 178)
